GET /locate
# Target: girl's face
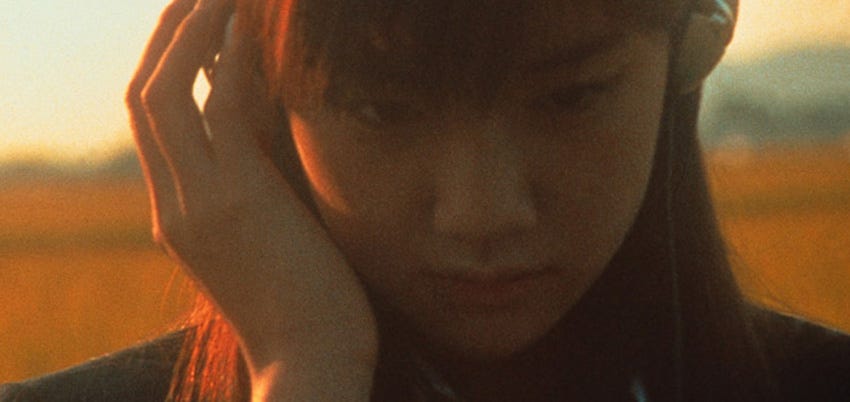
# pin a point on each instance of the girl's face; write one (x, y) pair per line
(481, 222)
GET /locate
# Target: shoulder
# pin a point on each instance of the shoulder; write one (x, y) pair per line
(140, 373)
(811, 362)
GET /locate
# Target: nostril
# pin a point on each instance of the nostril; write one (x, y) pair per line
(485, 209)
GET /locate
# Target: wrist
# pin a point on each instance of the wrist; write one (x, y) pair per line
(312, 352)
(300, 379)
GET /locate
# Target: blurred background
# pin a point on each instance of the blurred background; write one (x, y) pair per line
(79, 275)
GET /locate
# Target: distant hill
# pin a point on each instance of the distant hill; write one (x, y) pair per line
(30, 169)
(123, 165)
(801, 95)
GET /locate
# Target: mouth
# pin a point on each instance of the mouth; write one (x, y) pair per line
(492, 290)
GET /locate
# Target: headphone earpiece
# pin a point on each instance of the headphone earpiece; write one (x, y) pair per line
(710, 26)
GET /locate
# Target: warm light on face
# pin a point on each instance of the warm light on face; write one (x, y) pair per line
(322, 185)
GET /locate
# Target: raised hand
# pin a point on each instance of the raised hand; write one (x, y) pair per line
(223, 210)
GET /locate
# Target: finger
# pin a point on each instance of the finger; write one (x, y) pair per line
(234, 110)
(154, 166)
(243, 119)
(161, 188)
(174, 117)
(169, 21)
(197, 37)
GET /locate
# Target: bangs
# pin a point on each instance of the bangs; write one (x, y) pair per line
(315, 50)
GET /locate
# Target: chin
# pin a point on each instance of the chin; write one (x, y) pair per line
(488, 340)
(483, 351)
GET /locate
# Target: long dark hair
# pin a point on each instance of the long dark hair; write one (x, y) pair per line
(668, 301)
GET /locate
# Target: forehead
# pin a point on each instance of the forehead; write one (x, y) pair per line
(462, 45)
(550, 26)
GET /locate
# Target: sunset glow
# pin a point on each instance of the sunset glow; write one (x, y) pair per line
(65, 65)
(768, 26)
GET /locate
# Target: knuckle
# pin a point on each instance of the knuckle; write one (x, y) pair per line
(133, 95)
(153, 97)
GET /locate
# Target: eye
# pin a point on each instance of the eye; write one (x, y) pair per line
(573, 98)
(382, 114)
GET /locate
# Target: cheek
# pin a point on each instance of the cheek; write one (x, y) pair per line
(627, 149)
(368, 197)
(598, 200)
(318, 157)
(348, 177)
(599, 181)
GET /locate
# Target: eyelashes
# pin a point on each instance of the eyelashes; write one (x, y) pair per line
(395, 113)
(376, 114)
(574, 98)
(577, 98)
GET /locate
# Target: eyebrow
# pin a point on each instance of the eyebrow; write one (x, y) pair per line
(576, 54)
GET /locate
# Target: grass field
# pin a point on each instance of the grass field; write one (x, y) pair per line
(786, 217)
(79, 276)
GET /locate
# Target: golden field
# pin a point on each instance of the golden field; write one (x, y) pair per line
(79, 276)
(785, 213)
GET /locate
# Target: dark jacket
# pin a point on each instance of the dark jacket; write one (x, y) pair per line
(811, 363)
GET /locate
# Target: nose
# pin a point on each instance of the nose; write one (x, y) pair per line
(482, 188)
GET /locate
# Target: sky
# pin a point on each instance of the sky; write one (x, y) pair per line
(64, 65)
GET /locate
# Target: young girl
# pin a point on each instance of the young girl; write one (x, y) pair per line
(445, 201)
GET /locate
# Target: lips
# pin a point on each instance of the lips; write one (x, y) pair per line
(490, 290)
